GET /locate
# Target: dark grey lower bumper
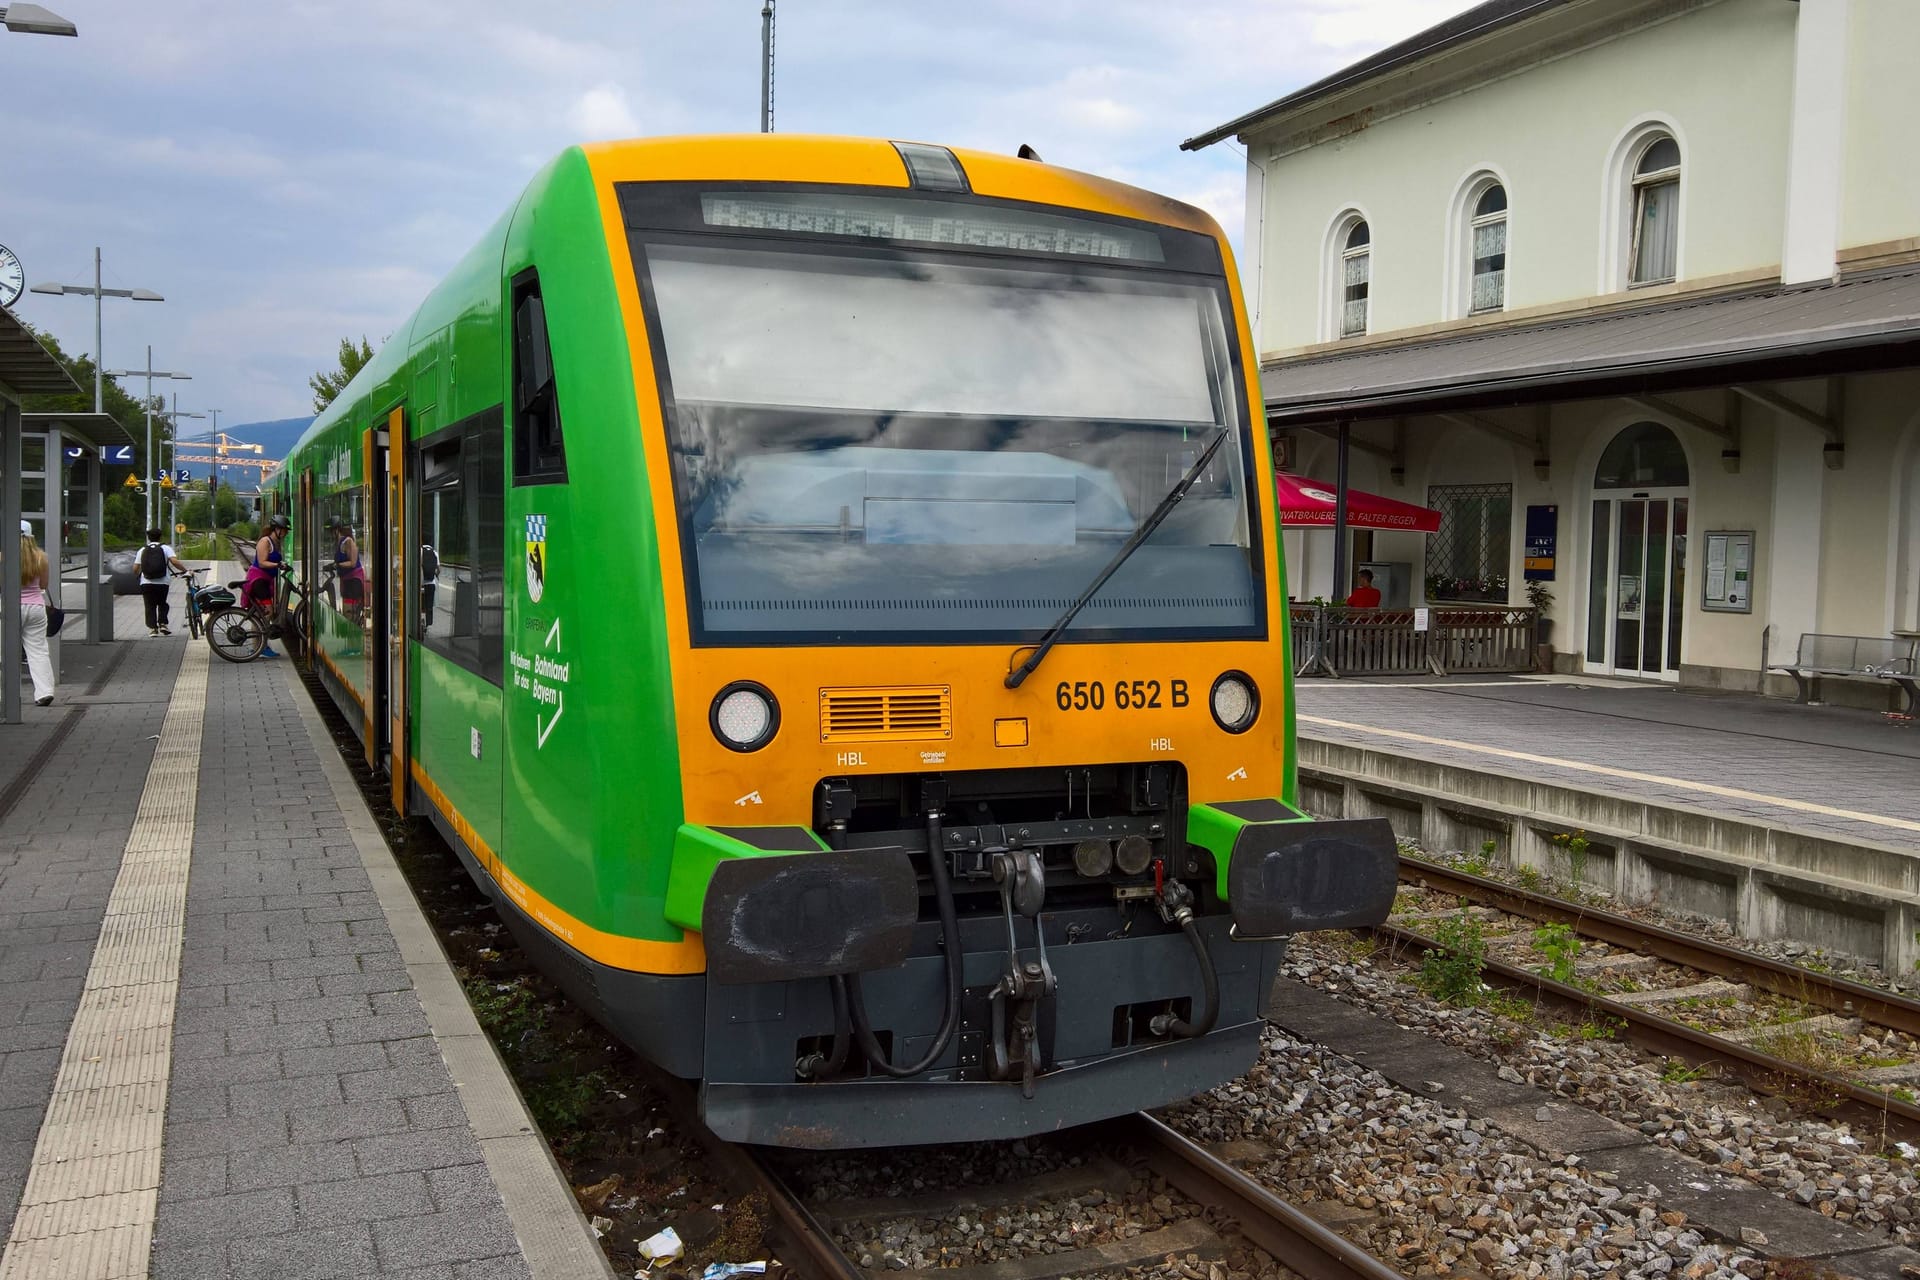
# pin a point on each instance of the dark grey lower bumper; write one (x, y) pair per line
(889, 1113)
(1290, 877)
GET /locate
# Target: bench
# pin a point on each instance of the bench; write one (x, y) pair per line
(1862, 657)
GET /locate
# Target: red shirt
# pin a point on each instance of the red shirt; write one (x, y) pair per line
(1364, 598)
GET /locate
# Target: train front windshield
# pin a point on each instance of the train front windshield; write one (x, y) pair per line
(897, 419)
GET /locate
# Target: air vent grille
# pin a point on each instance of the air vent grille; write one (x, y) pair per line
(923, 712)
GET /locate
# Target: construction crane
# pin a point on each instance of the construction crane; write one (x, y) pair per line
(228, 452)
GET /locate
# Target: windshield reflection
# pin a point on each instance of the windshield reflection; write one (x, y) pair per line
(885, 447)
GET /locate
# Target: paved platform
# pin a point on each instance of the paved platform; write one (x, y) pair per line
(229, 1046)
(1831, 771)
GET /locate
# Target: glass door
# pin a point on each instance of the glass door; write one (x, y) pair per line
(1636, 585)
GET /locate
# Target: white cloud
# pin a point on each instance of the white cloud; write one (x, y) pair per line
(602, 112)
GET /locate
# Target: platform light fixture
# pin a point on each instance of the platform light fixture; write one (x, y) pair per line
(96, 292)
(33, 20)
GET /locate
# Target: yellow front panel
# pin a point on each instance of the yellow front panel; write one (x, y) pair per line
(775, 785)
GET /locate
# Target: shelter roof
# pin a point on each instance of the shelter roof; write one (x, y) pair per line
(1774, 334)
(26, 367)
(87, 426)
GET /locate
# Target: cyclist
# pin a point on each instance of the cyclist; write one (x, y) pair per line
(263, 575)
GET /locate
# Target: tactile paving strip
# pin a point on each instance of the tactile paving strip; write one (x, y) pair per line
(88, 1208)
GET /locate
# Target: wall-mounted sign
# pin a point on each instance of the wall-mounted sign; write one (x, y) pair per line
(1543, 541)
(119, 455)
(1727, 584)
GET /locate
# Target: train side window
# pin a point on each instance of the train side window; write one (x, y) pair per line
(459, 510)
(539, 453)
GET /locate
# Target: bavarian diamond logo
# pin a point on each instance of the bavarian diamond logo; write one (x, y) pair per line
(536, 557)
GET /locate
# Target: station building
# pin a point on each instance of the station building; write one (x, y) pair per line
(1638, 278)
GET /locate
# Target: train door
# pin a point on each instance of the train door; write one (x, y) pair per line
(307, 529)
(397, 617)
(386, 590)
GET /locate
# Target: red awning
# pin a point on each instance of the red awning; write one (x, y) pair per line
(1311, 503)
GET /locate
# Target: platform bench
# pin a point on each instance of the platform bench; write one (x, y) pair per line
(1861, 657)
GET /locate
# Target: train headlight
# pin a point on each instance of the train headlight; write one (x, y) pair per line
(744, 716)
(1235, 702)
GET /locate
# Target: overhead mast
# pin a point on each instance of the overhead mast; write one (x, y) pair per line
(766, 67)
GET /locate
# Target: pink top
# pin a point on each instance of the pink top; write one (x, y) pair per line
(31, 593)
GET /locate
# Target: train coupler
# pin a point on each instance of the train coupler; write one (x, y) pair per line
(1015, 999)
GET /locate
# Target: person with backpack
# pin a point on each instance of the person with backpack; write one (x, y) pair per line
(155, 558)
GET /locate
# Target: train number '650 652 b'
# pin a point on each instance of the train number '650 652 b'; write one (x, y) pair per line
(1121, 695)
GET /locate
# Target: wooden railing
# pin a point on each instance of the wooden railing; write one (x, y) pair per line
(1334, 640)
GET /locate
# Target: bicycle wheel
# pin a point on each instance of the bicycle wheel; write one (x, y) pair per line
(193, 619)
(238, 635)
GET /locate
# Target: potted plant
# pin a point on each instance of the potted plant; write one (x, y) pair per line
(1540, 599)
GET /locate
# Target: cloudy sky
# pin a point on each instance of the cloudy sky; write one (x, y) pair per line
(289, 172)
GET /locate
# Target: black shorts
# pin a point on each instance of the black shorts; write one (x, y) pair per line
(352, 590)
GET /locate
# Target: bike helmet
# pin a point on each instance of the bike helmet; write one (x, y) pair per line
(279, 522)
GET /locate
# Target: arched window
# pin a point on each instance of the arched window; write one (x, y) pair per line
(1645, 455)
(1656, 212)
(1356, 276)
(1487, 251)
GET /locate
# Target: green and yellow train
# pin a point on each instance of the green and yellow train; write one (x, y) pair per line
(829, 593)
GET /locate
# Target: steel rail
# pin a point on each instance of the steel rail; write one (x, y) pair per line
(1289, 1234)
(1840, 995)
(1871, 1110)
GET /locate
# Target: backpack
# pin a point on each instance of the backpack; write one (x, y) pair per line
(429, 564)
(153, 562)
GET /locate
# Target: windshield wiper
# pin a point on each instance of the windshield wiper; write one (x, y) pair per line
(1018, 676)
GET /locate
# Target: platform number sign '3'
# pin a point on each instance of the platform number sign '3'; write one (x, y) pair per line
(536, 557)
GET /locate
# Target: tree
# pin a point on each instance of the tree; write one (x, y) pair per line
(124, 515)
(329, 383)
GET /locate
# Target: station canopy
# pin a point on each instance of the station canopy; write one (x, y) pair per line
(85, 427)
(1311, 503)
(1862, 322)
(26, 367)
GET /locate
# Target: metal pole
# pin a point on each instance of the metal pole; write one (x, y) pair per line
(97, 628)
(1340, 515)
(99, 353)
(10, 646)
(148, 402)
(56, 528)
(766, 67)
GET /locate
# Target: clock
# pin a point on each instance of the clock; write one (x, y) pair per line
(13, 277)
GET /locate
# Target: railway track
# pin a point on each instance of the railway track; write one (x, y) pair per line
(1750, 1003)
(1293, 1238)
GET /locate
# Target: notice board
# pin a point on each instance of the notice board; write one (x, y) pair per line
(1543, 538)
(1726, 579)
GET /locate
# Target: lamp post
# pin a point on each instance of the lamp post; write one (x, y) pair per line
(97, 292)
(32, 20)
(150, 373)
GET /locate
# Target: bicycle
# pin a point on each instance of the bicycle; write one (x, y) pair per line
(239, 631)
(202, 601)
